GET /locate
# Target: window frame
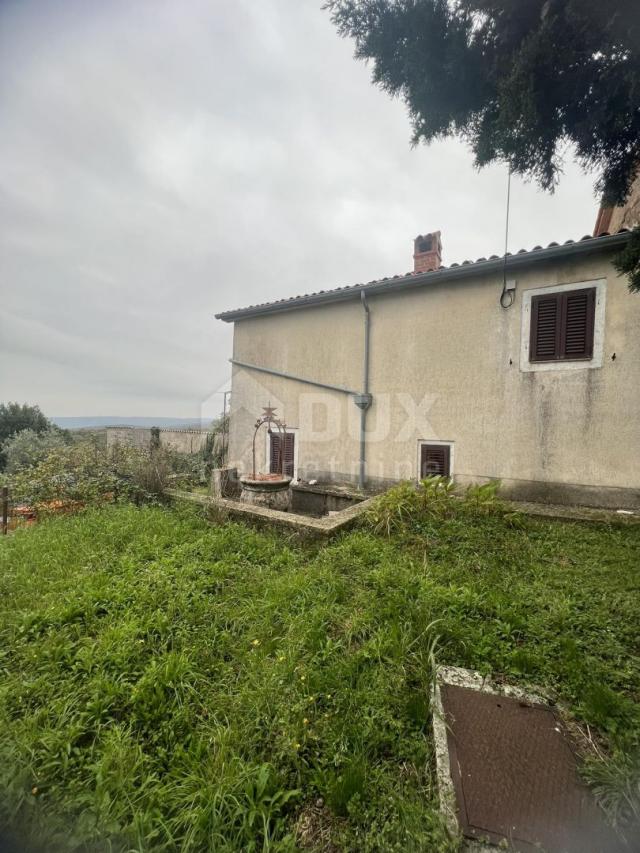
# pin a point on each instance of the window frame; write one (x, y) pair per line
(289, 431)
(422, 442)
(562, 298)
(572, 362)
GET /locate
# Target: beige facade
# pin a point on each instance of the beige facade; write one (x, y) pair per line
(449, 364)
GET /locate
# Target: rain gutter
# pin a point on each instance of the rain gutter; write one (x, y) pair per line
(440, 276)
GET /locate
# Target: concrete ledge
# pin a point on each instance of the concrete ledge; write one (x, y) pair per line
(305, 526)
(330, 524)
(575, 513)
(570, 494)
(334, 489)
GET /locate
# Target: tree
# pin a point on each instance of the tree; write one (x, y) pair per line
(517, 79)
(15, 417)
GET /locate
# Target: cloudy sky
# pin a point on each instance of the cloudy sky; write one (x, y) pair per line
(163, 160)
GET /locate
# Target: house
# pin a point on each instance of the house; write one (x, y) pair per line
(527, 371)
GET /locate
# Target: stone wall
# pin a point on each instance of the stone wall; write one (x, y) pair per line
(179, 440)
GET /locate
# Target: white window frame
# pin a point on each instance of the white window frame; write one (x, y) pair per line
(289, 431)
(449, 444)
(527, 366)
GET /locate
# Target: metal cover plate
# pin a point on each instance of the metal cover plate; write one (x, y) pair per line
(515, 776)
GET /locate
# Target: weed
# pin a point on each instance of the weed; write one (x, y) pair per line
(616, 784)
(347, 783)
(406, 506)
(168, 684)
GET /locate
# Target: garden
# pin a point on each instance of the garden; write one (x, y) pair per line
(172, 683)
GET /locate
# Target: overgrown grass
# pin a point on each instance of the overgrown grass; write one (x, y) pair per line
(171, 685)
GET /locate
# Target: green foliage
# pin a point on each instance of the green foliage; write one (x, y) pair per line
(483, 498)
(627, 262)
(82, 474)
(15, 417)
(404, 507)
(173, 685)
(211, 455)
(344, 785)
(155, 438)
(192, 469)
(516, 80)
(616, 784)
(401, 505)
(27, 448)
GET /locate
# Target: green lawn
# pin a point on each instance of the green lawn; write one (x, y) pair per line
(172, 685)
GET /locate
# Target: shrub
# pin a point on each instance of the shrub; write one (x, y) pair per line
(200, 465)
(28, 447)
(405, 505)
(82, 474)
(142, 474)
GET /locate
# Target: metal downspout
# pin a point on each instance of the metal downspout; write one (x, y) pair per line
(365, 400)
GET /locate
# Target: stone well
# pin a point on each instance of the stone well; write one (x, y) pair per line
(272, 492)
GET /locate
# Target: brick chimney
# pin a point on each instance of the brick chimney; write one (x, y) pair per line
(427, 252)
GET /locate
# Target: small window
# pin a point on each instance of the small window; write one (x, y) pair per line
(562, 325)
(275, 460)
(435, 460)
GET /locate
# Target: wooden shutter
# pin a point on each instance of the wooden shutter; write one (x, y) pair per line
(435, 460)
(274, 453)
(562, 325)
(577, 326)
(275, 461)
(545, 327)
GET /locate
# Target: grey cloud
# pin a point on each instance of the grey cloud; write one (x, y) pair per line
(164, 160)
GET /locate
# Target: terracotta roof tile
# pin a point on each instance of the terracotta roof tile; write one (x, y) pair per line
(409, 277)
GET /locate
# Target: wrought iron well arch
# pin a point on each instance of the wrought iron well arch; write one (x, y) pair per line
(268, 417)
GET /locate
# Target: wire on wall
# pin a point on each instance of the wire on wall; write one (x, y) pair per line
(507, 297)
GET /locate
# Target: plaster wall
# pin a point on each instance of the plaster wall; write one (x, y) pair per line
(447, 364)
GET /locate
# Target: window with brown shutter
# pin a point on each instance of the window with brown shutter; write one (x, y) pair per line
(562, 325)
(275, 460)
(435, 460)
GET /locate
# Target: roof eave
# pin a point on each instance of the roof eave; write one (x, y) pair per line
(453, 273)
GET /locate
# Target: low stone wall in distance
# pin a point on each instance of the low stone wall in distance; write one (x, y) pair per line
(179, 440)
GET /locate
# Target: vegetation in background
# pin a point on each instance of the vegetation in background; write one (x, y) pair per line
(15, 417)
(627, 262)
(81, 474)
(517, 81)
(195, 468)
(28, 447)
(48, 470)
(172, 685)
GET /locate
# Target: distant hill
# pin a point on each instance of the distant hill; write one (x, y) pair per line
(104, 421)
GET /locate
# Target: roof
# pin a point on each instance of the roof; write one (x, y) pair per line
(453, 272)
